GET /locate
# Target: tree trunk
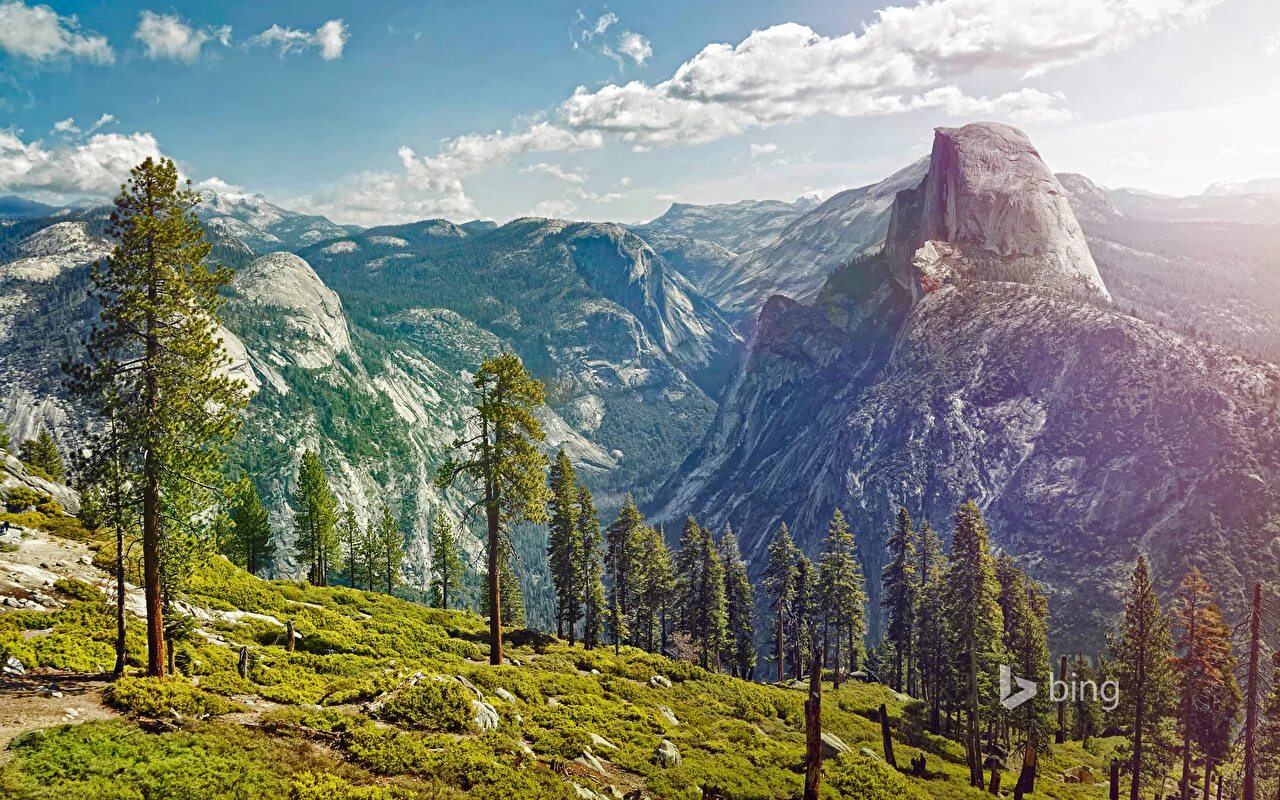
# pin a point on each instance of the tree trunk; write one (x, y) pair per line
(836, 682)
(495, 590)
(1062, 705)
(976, 777)
(886, 738)
(995, 781)
(781, 647)
(1027, 777)
(121, 650)
(813, 726)
(288, 636)
(1208, 778)
(151, 569)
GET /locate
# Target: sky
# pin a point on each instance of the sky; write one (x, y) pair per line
(388, 112)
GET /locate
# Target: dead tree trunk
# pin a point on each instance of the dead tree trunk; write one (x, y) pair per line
(813, 724)
(886, 738)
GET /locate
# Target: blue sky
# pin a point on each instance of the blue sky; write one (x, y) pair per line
(385, 111)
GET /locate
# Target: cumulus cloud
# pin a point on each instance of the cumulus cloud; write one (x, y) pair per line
(378, 198)
(216, 184)
(635, 47)
(904, 60)
(38, 33)
(167, 36)
(330, 38)
(95, 166)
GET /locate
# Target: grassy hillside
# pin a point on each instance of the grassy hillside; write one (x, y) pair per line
(341, 716)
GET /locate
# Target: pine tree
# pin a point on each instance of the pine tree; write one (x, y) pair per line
(805, 609)
(446, 561)
(351, 537)
(590, 559)
(41, 454)
(1086, 709)
(654, 583)
(250, 544)
(844, 595)
(931, 630)
(975, 621)
(740, 647)
(901, 598)
(507, 470)
(1141, 655)
(315, 517)
(390, 548)
(1269, 733)
(779, 583)
(154, 368)
(5, 443)
(1025, 611)
(622, 539)
(1210, 696)
(564, 545)
(703, 612)
(370, 561)
(512, 596)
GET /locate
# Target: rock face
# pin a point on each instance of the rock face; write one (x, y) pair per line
(1087, 436)
(990, 197)
(314, 329)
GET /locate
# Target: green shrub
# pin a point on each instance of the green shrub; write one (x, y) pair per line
(74, 587)
(867, 779)
(309, 786)
(154, 697)
(432, 705)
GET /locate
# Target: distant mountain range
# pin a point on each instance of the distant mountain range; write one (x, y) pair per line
(774, 348)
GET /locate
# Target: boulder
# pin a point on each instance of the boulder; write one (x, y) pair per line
(507, 697)
(589, 759)
(1081, 774)
(833, 746)
(600, 741)
(667, 755)
(865, 752)
(660, 681)
(668, 715)
(486, 716)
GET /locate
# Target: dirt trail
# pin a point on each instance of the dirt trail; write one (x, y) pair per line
(28, 702)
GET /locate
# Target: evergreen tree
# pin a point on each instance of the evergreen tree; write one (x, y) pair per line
(446, 560)
(41, 454)
(351, 538)
(1142, 653)
(901, 596)
(315, 517)
(740, 647)
(1086, 709)
(591, 569)
(5, 443)
(931, 630)
(779, 583)
(390, 548)
(155, 368)
(1269, 733)
(1210, 696)
(503, 461)
(975, 622)
(844, 596)
(654, 584)
(370, 561)
(564, 544)
(703, 612)
(512, 595)
(806, 608)
(250, 544)
(1025, 611)
(622, 539)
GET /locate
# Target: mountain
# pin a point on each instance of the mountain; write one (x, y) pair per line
(1236, 208)
(846, 225)
(1255, 186)
(21, 208)
(261, 225)
(986, 364)
(738, 227)
(1213, 279)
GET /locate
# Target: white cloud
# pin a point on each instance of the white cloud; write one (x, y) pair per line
(216, 184)
(331, 38)
(40, 34)
(442, 175)
(635, 47)
(1271, 44)
(166, 36)
(902, 61)
(577, 185)
(762, 150)
(559, 208)
(67, 126)
(379, 198)
(96, 166)
(556, 171)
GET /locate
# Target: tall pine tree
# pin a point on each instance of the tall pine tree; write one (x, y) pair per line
(41, 454)
(740, 647)
(501, 459)
(977, 626)
(250, 544)
(931, 629)
(654, 584)
(779, 583)
(564, 544)
(844, 595)
(315, 517)
(622, 539)
(1142, 654)
(446, 560)
(154, 368)
(703, 612)
(590, 569)
(390, 549)
(1025, 611)
(901, 596)
(350, 537)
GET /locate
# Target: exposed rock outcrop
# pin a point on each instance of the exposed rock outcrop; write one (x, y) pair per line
(1002, 211)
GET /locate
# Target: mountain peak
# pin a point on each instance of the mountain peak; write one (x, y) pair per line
(994, 212)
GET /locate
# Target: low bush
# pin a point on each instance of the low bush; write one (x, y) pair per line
(432, 706)
(867, 779)
(156, 697)
(78, 589)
